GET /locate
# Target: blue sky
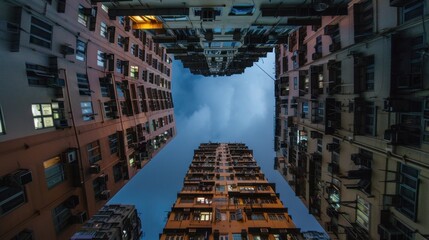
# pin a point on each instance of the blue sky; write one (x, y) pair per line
(238, 108)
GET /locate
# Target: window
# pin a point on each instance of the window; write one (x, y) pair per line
(179, 216)
(83, 84)
(54, 172)
(257, 216)
(186, 200)
(121, 41)
(370, 118)
(407, 190)
(117, 172)
(295, 83)
(99, 185)
(2, 128)
(44, 114)
(203, 200)
(40, 33)
(174, 18)
(105, 8)
(203, 216)
(87, 112)
(242, 10)
(277, 217)
(113, 143)
(101, 60)
(61, 216)
(80, 50)
(363, 20)
(369, 73)
(11, 198)
(103, 30)
(412, 10)
(257, 237)
(363, 212)
(94, 153)
(134, 72)
(319, 145)
(131, 136)
(236, 236)
(304, 110)
(82, 18)
(119, 68)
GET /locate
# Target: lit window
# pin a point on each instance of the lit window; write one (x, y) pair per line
(87, 111)
(121, 20)
(40, 33)
(134, 72)
(363, 212)
(242, 10)
(94, 153)
(203, 216)
(101, 61)
(103, 29)
(54, 172)
(82, 18)
(2, 130)
(43, 116)
(80, 50)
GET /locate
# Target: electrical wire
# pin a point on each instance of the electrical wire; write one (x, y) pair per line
(265, 72)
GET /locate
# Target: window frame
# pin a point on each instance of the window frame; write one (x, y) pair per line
(80, 50)
(87, 111)
(55, 178)
(41, 33)
(103, 30)
(42, 116)
(404, 188)
(94, 151)
(81, 17)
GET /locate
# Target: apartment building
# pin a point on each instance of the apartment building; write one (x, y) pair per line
(226, 196)
(222, 37)
(351, 119)
(112, 222)
(85, 102)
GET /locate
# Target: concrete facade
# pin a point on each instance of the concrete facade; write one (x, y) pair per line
(85, 103)
(226, 196)
(351, 120)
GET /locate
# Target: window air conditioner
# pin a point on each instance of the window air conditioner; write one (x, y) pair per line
(22, 176)
(67, 50)
(80, 217)
(94, 169)
(10, 198)
(70, 155)
(105, 195)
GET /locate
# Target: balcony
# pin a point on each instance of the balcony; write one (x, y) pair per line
(356, 232)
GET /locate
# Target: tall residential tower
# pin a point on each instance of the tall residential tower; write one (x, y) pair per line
(85, 102)
(226, 196)
(352, 119)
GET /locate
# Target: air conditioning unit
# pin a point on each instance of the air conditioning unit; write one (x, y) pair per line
(61, 123)
(105, 195)
(72, 201)
(94, 169)
(70, 155)
(103, 178)
(80, 217)
(22, 176)
(67, 50)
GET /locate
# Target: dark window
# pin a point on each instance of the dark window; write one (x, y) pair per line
(83, 84)
(363, 20)
(61, 216)
(94, 153)
(99, 185)
(117, 172)
(11, 198)
(113, 143)
(412, 10)
(40, 33)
